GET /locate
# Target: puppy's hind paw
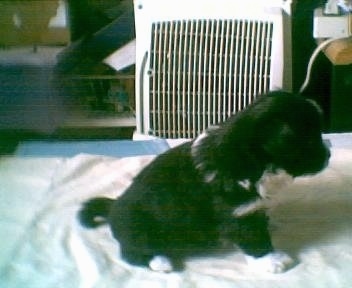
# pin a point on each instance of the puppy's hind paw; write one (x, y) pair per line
(275, 262)
(160, 264)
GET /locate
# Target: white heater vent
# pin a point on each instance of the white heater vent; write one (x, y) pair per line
(203, 71)
(197, 71)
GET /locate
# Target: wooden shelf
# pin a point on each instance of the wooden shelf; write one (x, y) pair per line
(87, 126)
(96, 122)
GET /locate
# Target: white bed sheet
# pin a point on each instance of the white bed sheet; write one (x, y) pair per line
(43, 245)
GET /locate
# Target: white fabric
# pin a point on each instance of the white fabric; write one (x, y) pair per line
(43, 245)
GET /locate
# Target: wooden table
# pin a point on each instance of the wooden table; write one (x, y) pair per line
(339, 52)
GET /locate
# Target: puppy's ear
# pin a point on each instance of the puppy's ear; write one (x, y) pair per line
(276, 137)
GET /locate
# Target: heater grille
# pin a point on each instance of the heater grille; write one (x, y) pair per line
(203, 71)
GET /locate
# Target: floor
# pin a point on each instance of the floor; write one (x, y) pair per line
(37, 109)
(114, 148)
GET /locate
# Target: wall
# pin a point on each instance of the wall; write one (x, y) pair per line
(39, 22)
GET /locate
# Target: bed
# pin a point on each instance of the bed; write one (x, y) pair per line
(43, 245)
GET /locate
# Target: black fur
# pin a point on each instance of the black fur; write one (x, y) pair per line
(96, 211)
(182, 203)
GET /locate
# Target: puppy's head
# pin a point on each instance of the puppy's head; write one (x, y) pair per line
(288, 128)
(279, 130)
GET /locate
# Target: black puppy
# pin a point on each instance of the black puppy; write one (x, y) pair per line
(198, 196)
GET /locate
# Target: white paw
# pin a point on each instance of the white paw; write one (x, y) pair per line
(271, 183)
(276, 262)
(248, 208)
(160, 264)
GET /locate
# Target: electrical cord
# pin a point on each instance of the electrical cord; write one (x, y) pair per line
(315, 53)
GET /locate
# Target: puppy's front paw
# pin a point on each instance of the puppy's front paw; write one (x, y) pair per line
(275, 262)
(160, 264)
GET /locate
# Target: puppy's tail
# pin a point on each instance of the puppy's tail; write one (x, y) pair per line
(95, 212)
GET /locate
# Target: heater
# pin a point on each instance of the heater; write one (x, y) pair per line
(199, 62)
